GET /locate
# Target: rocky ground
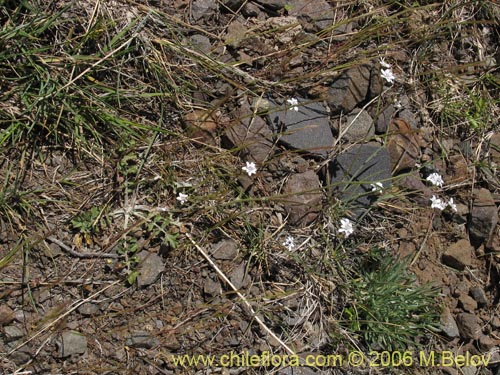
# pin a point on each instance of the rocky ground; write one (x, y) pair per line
(163, 242)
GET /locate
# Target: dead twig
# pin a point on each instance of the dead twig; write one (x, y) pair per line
(77, 254)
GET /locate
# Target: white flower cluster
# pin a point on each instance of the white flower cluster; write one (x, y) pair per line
(182, 198)
(387, 73)
(377, 187)
(289, 243)
(293, 102)
(441, 204)
(250, 168)
(346, 227)
(436, 202)
(435, 179)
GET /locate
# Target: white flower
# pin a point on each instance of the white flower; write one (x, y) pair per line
(452, 205)
(388, 75)
(289, 243)
(346, 227)
(182, 198)
(435, 179)
(250, 168)
(384, 63)
(438, 203)
(293, 102)
(377, 187)
(398, 104)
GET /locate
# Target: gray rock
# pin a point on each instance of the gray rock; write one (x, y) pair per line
(448, 324)
(469, 326)
(225, 249)
(234, 5)
(201, 42)
(211, 287)
(350, 89)
(357, 126)
(251, 10)
(21, 356)
(458, 255)
(142, 339)
(419, 192)
(88, 309)
(273, 4)
(353, 171)
(479, 296)
(239, 278)
(12, 333)
(150, 268)
(376, 81)
(202, 8)
(318, 13)
(72, 342)
(384, 118)
(250, 135)
(409, 117)
(302, 198)
(305, 129)
(483, 217)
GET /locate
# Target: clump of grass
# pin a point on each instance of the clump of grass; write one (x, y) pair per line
(389, 309)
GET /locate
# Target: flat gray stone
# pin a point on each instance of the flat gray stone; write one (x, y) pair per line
(211, 287)
(306, 129)
(319, 13)
(202, 8)
(350, 89)
(239, 278)
(483, 217)
(201, 43)
(71, 343)
(225, 249)
(384, 118)
(88, 309)
(273, 4)
(354, 170)
(469, 326)
(12, 333)
(479, 296)
(142, 339)
(448, 324)
(249, 134)
(150, 268)
(302, 198)
(357, 126)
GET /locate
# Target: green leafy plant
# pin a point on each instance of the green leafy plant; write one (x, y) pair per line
(158, 229)
(390, 309)
(86, 221)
